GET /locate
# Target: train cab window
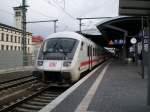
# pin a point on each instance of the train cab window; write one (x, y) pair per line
(59, 45)
(58, 48)
(82, 44)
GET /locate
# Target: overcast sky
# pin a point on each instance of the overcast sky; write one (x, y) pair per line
(66, 11)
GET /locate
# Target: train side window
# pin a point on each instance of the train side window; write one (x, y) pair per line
(96, 52)
(88, 50)
(93, 51)
(82, 46)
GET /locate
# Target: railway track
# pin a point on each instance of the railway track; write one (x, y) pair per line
(37, 98)
(15, 82)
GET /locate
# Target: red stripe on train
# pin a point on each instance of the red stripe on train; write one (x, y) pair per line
(84, 63)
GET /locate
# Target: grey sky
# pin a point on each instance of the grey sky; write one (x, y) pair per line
(66, 11)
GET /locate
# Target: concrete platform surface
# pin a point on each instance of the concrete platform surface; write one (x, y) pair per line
(114, 87)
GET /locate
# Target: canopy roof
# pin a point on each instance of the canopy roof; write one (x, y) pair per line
(115, 28)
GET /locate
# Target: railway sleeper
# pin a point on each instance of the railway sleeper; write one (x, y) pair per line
(50, 94)
(18, 109)
(41, 100)
(46, 98)
(36, 103)
(32, 107)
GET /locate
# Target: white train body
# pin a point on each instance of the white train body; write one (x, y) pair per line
(65, 55)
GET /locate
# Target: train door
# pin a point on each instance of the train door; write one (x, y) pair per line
(82, 57)
(88, 53)
(90, 56)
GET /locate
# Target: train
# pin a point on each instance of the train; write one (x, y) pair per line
(64, 56)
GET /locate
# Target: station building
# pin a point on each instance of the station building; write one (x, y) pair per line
(11, 55)
(11, 39)
(36, 42)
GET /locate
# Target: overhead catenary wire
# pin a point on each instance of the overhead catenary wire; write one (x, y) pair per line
(54, 4)
(61, 2)
(58, 4)
(105, 2)
(42, 14)
(96, 7)
(64, 10)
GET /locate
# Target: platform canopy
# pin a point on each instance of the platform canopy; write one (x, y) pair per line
(114, 29)
(95, 35)
(134, 7)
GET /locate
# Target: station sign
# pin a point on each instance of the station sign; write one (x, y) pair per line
(111, 43)
(134, 7)
(116, 42)
(119, 42)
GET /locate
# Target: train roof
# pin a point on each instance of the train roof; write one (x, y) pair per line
(67, 34)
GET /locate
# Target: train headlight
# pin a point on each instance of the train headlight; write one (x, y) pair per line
(67, 63)
(40, 63)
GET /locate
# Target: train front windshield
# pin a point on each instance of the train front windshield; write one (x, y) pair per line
(58, 45)
(59, 48)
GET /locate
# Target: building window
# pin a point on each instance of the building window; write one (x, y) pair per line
(18, 48)
(25, 41)
(28, 41)
(2, 47)
(11, 47)
(18, 13)
(25, 48)
(15, 39)
(18, 39)
(15, 47)
(7, 47)
(11, 38)
(2, 37)
(7, 37)
(28, 49)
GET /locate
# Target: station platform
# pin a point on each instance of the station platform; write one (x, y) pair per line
(112, 87)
